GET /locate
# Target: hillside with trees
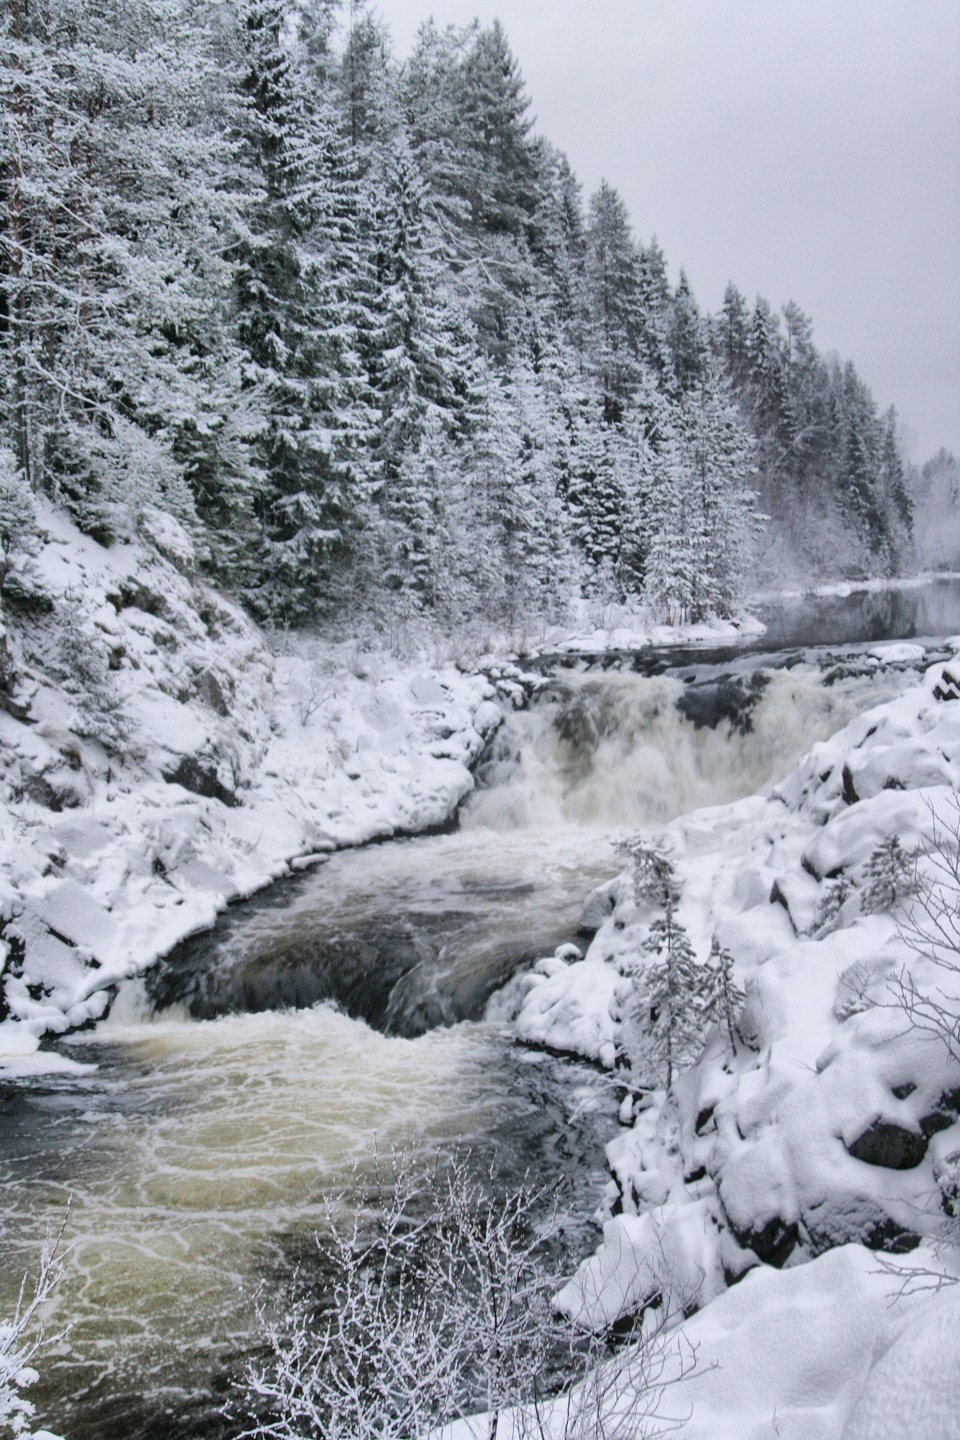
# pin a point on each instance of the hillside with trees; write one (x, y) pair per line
(350, 321)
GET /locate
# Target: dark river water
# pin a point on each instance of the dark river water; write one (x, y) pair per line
(924, 610)
(236, 1088)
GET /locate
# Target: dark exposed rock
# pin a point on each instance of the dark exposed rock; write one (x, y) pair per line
(849, 789)
(887, 1234)
(704, 1118)
(773, 1244)
(948, 687)
(889, 1145)
(200, 778)
(943, 1114)
(210, 691)
(897, 1147)
(852, 1218)
(729, 700)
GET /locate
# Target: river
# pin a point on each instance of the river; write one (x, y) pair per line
(238, 1085)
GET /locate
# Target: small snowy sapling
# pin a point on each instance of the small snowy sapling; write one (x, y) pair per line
(677, 995)
(836, 893)
(87, 679)
(724, 999)
(654, 879)
(888, 876)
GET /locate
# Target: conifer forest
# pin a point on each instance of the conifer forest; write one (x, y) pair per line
(353, 322)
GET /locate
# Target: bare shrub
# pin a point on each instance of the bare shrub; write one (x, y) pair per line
(931, 929)
(441, 1309)
(23, 1337)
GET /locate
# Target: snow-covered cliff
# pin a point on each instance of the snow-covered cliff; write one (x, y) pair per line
(157, 760)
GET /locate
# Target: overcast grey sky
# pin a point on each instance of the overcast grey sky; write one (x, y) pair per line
(806, 149)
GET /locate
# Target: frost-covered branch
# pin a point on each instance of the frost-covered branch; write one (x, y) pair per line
(931, 929)
(22, 1337)
(442, 1308)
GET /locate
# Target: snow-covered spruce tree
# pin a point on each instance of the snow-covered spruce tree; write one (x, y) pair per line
(670, 578)
(687, 337)
(730, 331)
(526, 572)
(673, 1009)
(303, 287)
(611, 293)
(112, 266)
(699, 514)
(654, 313)
(18, 516)
(596, 499)
(654, 878)
(888, 876)
(835, 895)
(724, 998)
(83, 669)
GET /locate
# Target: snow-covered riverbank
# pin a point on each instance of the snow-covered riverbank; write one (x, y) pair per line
(827, 1116)
(809, 1126)
(158, 760)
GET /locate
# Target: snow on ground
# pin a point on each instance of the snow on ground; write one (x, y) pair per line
(158, 761)
(827, 1118)
(829, 1351)
(622, 627)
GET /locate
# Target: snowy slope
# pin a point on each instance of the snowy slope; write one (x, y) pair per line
(827, 1118)
(157, 761)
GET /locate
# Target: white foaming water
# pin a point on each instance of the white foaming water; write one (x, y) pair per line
(613, 750)
(197, 1164)
(201, 1157)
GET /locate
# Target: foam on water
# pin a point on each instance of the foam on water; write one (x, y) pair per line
(614, 749)
(201, 1156)
(203, 1159)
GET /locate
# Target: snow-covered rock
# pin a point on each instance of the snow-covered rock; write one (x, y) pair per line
(823, 1120)
(157, 761)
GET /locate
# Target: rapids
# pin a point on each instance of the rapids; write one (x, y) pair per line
(233, 1090)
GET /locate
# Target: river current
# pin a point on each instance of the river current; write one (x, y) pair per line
(239, 1085)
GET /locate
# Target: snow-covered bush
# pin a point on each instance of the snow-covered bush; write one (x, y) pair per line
(18, 516)
(442, 1308)
(19, 579)
(888, 876)
(22, 1337)
(932, 931)
(85, 673)
(836, 893)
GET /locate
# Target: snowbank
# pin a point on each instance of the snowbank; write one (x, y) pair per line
(158, 761)
(626, 629)
(830, 1351)
(826, 1118)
